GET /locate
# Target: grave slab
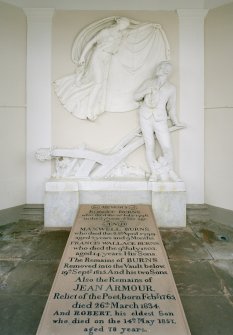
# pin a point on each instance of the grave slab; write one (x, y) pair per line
(114, 278)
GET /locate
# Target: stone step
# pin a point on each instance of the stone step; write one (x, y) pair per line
(32, 212)
(197, 213)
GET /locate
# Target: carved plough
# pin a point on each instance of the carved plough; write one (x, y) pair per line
(81, 162)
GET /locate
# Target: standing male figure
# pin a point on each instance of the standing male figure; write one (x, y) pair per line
(157, 99)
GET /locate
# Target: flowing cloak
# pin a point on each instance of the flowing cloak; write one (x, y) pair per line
(124, 66)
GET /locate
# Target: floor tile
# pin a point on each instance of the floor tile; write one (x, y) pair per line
(15, 249)
(20, 230)
(49, 245)
(20, 315)
(196, 278)
(6, 266)
(16, 239)
(217, 238)
(33, 277)
(181, 244)
(224, 269)
(208, 315)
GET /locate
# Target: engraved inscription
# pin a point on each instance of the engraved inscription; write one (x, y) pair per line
(114, 277)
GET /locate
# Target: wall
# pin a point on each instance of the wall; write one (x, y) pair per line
(219, 107)
(68, 131)
(12, 106)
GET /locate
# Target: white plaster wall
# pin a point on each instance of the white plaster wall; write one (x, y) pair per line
(109, 128)
(219, 107)
(12, 106)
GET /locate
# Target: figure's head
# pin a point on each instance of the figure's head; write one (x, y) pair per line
(164, 68)
(122, 23)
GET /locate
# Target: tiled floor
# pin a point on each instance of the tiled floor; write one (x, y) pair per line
(201, 258)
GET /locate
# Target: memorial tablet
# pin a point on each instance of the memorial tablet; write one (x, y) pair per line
(114, 278)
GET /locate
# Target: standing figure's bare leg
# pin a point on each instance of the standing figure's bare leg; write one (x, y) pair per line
(149, 139)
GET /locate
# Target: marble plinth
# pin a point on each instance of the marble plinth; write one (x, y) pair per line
(60, 209)
(61, 203)
(63, 198)
(114, 278)
(169, 204)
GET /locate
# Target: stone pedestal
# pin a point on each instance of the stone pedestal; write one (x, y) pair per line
(61, 204)
(169, 204)
(63, 198)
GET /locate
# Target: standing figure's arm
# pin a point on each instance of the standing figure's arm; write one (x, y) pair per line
(171, 106)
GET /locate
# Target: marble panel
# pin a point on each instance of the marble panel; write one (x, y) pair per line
(169, 208)
(63, 198)
(60, 208)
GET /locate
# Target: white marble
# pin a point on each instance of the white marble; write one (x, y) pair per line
(60, 208)
(82, 162)
(115, 197)
(63, 198)
(61, 186)
(54, 185)
(191, 74)
(169, 208)
(178, 186)
(113, 56)
(157, 99)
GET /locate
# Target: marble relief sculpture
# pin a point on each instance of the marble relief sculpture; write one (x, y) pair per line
(121, 65)
(112, 57)
(82, 162)
(158, 104)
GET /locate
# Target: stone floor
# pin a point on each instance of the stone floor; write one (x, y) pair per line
(201, 258)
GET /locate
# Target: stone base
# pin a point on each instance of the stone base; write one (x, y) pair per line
(63, 197)
(169, 204)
